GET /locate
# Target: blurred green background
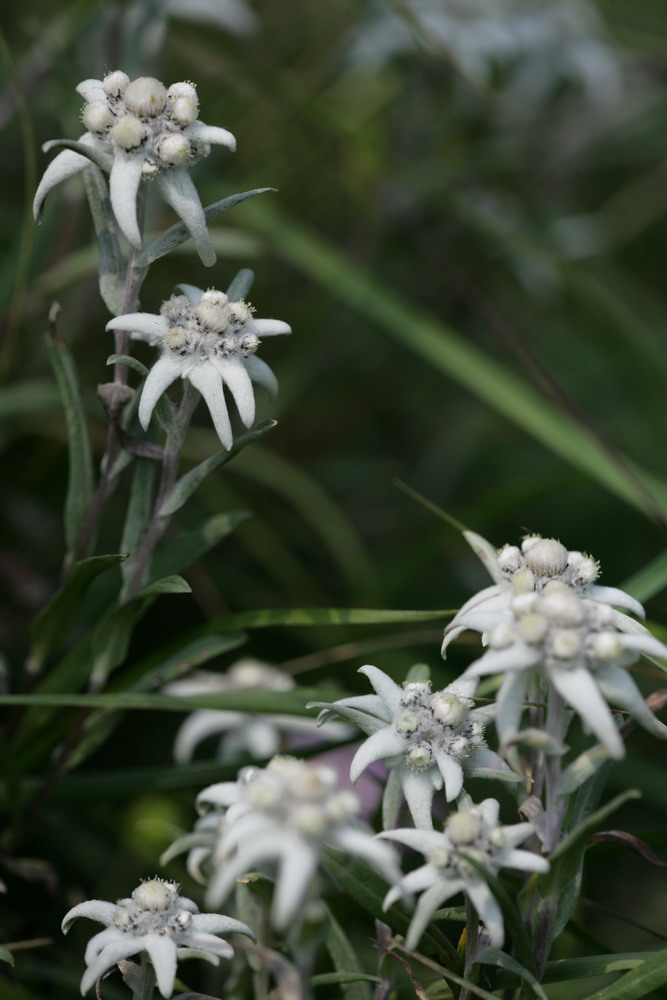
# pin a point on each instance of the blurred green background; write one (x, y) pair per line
(468, 240)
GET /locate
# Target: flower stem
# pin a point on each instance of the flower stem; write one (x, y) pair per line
(472, 939)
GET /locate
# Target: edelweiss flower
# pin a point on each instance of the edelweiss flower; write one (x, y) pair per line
(530, 569)
(243, 733)
(429, 738)
(470, 834)
(574, 645)
(210, 341)
(286, 813)
(141, 130)
(158, 921)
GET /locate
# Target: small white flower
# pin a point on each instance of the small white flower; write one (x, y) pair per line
(242, 733)
(472, 833)
(210, 341)
(285, 814)
(525, 574)
(142, 131)
(573, 644)
(429, 738)
(155, 919)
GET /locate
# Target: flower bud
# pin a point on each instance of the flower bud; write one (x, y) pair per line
(588, 571)
(413, 692)
(406, 722)
(214, 296)
(97, 116)
(184, 110)
(173, 148)
(463, 827)
(502, 636)
(420, 756)
(563, 608)
(183, 918)
(525, 604)
(447, 708)
(342, 806)
(528, 542)
(438, 856)
(145, 97)
(523, 581)
(546, 557)
(211, 316)
(310, 820)
(264, 792)
(176, 339)
(154, 895)
(533, 628)
(122, 918)
(605, 646)
(129, 132)
(565, 643)
(458, 747)
(498, 837)
(509, 558)
(115, 83)
(183, 89)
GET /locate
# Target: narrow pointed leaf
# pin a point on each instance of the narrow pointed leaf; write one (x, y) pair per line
(241, 285)
(138, 512)
(638, 983)
(127, 359)
(344, 958)
(52, 625)
(188, 483)
(498, 958)
(81, 482)
(179, 233)
(112, 263)
(178, 553)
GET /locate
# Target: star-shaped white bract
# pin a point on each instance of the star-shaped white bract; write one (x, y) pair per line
(141, 130)
(575, 646)
(284, 815)
(243, 734)
(470, 835)
(430, 738)
(155, 919)
(529, 569)
(210, 341)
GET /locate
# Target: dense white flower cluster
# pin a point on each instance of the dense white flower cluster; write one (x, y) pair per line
(210, 341)
(546, 617)
(285, 813)
(155, 919)
(428, 737)
(242, 733)
(141, 130)
(470, 835)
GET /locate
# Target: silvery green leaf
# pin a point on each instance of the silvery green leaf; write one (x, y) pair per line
(126, 359)
(418, 672)
(391, 800)
(180, 552)
(486, 553)
(188, 483)
(179, 233)
(583, 768)
(112, 264)
(138, 512)
(241, 284)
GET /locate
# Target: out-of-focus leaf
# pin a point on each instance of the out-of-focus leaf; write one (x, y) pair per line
(6, 956)
(138, 514)
(649, 581)
(498, 958)
(624, 839)
(583, 768)
(366, 888)
(638, 983)
(187, 484)
(343, 978)
(112, 264)
(255, 702)
(240, 284)
(268, 617)
(178, 553)
(566, 969)
(53, 623)
(179, 233)
(81, 481)
(30, 397)
(348, 971)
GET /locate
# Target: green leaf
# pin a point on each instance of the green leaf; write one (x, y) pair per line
(53, 624)
(96, 156)
(167, 585)
(445, 349)
(368, 889)
(584, 767)
(81, 483)
(127, 359)
(178, 553)
(342, 978)
(269, 617)
(638, 983)
(188, 483)
(348, 971)
(566, 969)
(179, 233)
(557, 890)
(392, 797)
(241, 285)
(112, 264)
(498, 958)
(649, 581)
(255, 702)
(139, 510)
(6, 956)
(30, 397)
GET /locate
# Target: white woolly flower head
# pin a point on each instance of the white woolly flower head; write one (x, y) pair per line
(210, 341)
(430, 738)
(285, 813)
(140, 130)
(472, 839)
(155, 919)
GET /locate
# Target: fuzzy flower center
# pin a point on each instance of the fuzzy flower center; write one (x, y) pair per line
(541, 562)
(430, 721)
(214, 328)
(152, 909)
